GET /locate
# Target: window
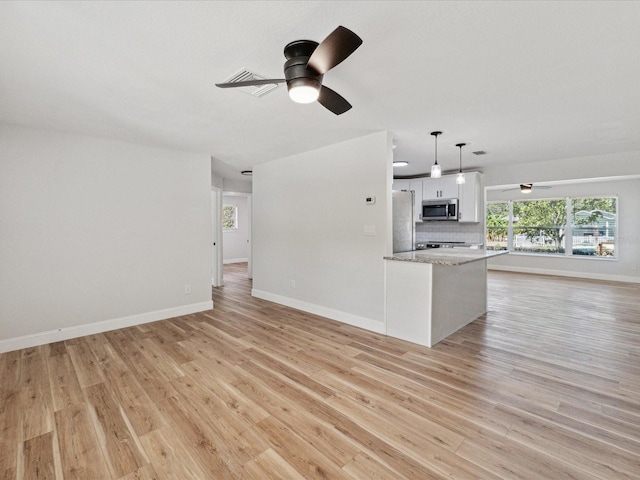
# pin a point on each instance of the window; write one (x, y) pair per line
(229, 217)
(564, 227)
(539, 226)
(593, 226)
(497, 225)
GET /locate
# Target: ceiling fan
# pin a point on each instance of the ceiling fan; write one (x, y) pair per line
(527, 187)
(307, 62)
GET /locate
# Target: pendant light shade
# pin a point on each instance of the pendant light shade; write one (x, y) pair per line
(460, 177)
(436, 171)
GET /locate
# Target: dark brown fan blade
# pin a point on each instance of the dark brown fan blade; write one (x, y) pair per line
(333, 101)
(340, 43)
(250, 83)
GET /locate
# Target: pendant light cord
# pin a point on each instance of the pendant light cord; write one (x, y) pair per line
(460, 145)
(435, 134)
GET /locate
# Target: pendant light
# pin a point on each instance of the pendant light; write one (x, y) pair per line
(460, 177)
(436, 171)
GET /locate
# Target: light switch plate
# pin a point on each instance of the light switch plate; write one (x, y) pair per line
(370, 200)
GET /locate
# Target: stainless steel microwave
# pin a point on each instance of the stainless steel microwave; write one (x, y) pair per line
(442, 209)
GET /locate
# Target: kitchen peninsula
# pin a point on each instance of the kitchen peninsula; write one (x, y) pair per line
(432, 293)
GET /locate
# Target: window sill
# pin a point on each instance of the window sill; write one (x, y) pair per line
(599, 258)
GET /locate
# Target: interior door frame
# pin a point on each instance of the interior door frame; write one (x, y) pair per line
(217, 279)
(250, 239)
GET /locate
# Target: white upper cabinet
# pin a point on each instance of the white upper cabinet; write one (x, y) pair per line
(449, 186)
(468, 194)
(437, 188)
(469, 198)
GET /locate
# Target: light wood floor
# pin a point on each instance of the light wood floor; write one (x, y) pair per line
(545, 386)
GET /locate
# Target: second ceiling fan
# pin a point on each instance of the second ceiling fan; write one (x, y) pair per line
(527, 187)
(307, 62)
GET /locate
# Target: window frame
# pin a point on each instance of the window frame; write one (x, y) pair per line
(235, 218)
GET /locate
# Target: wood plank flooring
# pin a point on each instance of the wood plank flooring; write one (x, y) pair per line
(546, 385)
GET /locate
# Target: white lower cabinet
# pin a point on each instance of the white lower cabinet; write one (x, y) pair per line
(424, 303)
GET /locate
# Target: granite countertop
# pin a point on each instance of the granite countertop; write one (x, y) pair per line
(446, 256)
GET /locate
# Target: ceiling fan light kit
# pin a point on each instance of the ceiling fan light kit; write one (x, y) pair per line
(307, 62)
(303, 90)
(527, 187)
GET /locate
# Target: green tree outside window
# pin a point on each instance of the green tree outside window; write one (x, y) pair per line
(230, 217)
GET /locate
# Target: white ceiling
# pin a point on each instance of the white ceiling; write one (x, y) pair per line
(524, 81)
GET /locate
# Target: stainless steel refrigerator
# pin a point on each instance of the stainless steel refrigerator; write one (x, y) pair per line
(404, 226)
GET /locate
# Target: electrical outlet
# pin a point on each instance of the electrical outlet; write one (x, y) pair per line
(187, 289)
(293, 284)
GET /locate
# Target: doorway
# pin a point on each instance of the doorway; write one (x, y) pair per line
(232, 233)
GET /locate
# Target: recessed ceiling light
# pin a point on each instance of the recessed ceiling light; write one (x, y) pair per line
(247, 172)
(400, 163)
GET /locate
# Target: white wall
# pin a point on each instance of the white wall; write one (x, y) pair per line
(98, 234)
(599, 175)
(308, 221)
(216, 180)
(237, 186)
(597, 166)
(235, 243)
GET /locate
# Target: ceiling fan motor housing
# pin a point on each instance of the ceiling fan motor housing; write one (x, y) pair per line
(296, 71)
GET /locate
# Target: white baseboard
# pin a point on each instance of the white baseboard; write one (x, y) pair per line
(340, 316)
(565, 273)
(235, 260)
(66, 333)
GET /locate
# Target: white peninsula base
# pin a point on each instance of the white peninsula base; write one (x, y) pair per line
(426, 302)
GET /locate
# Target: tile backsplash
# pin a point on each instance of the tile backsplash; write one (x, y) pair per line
(449, 232)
